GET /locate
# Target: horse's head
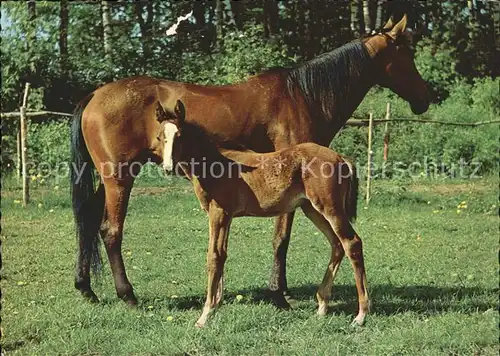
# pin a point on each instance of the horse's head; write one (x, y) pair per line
(395, 65)
(170, 129)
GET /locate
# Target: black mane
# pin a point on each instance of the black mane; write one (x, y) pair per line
(328, 79)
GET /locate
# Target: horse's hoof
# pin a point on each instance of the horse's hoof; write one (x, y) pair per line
(279, 300)
(358, 321)
(131, 301)
(199, 325)
(90, 296)
(289, 298)
(323, 310)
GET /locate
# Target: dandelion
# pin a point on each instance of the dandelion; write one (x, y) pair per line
(170, 318)
(33, 178)
(173, 296)
(128, 253)
(17, 202)
(51, 210)
(435, 211)
(21, 283)
(239, 297)
(150, 307)
(40, 205)
(56, 187)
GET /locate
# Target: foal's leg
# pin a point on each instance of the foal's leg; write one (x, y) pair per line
(117, 196)
(353, 247)
(325, 288)
(216, 256)
(277, 282)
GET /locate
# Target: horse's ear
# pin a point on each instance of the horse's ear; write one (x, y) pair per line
(161, 115)
(399, 27)
(389, 24)
(180, 111)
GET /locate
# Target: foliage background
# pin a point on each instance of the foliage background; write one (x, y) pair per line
(60, 47)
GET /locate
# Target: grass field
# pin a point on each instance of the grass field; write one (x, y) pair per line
(432, 272)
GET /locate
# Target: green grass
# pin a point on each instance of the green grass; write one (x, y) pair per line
(432, 273)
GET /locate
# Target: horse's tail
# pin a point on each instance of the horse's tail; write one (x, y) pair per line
(351, 197)
(88, 205)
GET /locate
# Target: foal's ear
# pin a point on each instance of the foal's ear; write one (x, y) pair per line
(389, 24)
(161, 115)
(399, 28)
(180, 111)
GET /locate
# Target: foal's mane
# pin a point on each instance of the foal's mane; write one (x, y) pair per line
(327, 80)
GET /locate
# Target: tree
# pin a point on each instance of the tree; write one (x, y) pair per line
(145, 25)
(107, 31)
(63, 35)
(219, 20)
(357, 18)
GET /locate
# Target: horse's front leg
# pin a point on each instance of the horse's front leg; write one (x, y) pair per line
(219, 223)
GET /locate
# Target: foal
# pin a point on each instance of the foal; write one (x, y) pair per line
(231, 183)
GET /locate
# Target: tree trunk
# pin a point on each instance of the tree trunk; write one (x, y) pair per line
(146, 26)
(107, 31)
(366, 17)
(271, 18)
(219, 14)
(357, 20)
(63, 35)
(238, 8)
(30, 39)
(379, 22)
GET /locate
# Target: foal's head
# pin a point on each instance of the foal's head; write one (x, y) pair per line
(395, 65)
(170, 129)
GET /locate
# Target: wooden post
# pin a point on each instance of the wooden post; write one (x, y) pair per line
(369, 163)
(18, 152)
(386, 132)
(24, 129)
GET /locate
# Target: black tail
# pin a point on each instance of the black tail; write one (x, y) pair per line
(88, 205)
(351, 199)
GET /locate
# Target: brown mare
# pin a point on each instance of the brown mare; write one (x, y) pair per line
(115, 130)
(231, 183)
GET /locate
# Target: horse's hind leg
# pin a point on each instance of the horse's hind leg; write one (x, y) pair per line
(117, 197)
(277, 282)
(89, 249)
(325, 288)
(353, 248)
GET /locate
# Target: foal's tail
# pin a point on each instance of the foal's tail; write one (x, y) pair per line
(88, 205)
(351, 198)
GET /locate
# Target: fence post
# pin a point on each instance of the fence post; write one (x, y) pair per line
(18, 152)
(24, 153)
(369, 163)
(386, 132)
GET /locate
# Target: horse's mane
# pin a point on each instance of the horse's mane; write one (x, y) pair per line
(327, 80)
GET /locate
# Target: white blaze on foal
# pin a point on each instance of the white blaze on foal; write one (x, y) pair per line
(169, 132)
